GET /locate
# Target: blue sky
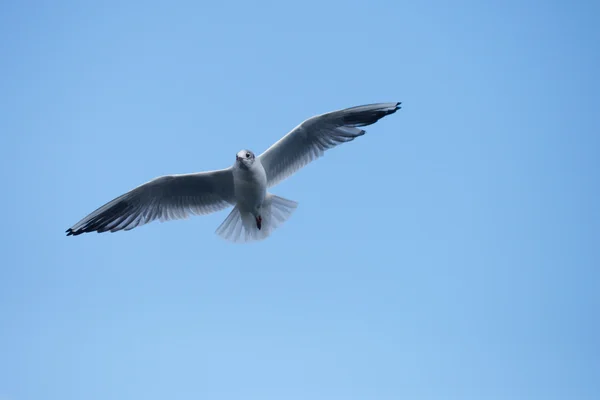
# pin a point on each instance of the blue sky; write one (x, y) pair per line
(450, 253)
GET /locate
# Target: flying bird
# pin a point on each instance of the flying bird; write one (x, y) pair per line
(256, 212)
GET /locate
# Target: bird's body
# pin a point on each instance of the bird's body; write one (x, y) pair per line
(250, 187)
(244, 185)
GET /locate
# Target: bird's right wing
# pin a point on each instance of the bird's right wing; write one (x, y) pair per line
(166, 198)
(311, 138)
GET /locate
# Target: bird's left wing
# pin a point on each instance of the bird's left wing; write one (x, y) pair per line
(165, 198)
(311, 138)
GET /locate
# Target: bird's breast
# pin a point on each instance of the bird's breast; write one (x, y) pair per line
(250, 186)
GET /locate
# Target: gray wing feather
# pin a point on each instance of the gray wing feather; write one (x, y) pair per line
(309, 140)
(164, 198)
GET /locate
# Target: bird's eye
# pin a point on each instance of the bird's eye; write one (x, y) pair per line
(247, 155)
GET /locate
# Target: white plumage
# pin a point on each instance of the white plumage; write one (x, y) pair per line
(256, 213)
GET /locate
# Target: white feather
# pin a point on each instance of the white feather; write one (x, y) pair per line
(309, 140)
(164, 198)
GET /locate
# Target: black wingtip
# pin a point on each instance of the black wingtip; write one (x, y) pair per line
(393, 110)
(369, 114)
(71, 232)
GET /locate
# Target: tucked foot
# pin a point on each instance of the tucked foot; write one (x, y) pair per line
(259, 222)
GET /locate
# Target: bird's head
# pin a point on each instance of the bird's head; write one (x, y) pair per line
(244, 158)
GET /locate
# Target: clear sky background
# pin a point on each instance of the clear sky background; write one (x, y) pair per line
(453, 252)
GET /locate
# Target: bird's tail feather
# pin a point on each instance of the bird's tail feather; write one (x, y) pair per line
(240, 226)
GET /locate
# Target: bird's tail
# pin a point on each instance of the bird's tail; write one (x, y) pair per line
(240, 226)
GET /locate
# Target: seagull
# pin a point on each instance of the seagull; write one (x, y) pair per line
(256, 212)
